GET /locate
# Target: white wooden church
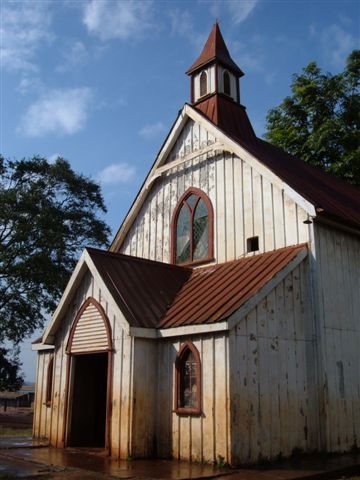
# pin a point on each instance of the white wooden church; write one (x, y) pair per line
(223, 320)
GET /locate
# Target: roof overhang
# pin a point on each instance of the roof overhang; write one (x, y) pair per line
(234, 319)
(223, 144)
(84, 265)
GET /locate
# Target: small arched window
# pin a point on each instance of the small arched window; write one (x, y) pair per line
(203, 83)
(226, 78)
(188, 380)
(192, 228)
(49, 381)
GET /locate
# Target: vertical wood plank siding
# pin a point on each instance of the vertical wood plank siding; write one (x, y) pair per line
(338, 284)
(273, 408)
(245, 204)
(121, 399)
(196, 438)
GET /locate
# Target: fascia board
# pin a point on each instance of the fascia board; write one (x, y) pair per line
(237, 316)
(193, 329)
(229, 145)
(233, 147)
(38, 347)
(179, 331)
(144, 190)
(84, 264)
(106, 293)
(73, 283)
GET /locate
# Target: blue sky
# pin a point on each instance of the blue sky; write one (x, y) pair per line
(100, 82)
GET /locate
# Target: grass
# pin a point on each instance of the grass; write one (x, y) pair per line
(15, 432)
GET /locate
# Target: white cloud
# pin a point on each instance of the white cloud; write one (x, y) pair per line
(182, 25)
(61, 112)
(336, 42)
(239, 10)
(25, 27)
(30, 84)
(150, 131)
(109, 19)
(117, 173)
(75, 54)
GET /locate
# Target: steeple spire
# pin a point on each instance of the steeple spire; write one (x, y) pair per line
(215, 88)
(214, 72)
(215, 50)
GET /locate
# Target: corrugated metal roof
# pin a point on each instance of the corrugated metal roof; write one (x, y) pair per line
(142, 288)
(215, 49)
(331, 196)
(158, 295)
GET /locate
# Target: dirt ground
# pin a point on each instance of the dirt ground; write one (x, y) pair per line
(16, 418)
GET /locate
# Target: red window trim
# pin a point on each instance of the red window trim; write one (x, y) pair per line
(203, 83)
(208, 204)
(185, 347)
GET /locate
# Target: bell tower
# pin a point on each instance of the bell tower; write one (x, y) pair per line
(214, 72)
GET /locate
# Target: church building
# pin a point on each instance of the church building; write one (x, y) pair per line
(223, 320)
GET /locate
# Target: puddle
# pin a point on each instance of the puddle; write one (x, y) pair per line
(96, 462)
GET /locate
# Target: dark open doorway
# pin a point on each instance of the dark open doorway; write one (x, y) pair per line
(88, 401)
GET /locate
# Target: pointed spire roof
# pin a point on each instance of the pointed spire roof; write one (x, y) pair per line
(215, 50)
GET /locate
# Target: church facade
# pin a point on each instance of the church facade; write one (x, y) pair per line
(223, 320)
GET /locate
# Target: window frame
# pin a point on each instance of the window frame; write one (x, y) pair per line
(210, 247)
(203, 83)
(226, 83)
(179, 364)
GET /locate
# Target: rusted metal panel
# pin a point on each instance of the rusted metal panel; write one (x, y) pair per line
(214, 293)
(215, 49)
(161, 296)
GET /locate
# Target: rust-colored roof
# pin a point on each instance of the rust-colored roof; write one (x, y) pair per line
(332, 197)
(158, 295)
(215, 49)
(142, 288)
(228, 115)
(214, 293)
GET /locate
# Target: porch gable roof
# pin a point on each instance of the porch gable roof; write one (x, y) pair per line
(155, 295)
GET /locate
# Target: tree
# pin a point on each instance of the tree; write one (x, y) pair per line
(320, 121)
(48, 214)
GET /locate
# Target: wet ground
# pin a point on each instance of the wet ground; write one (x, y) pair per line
(23, 459)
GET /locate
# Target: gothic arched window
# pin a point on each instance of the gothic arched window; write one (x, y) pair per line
(188, 380)
(203, 84)
(226, 77)
(192, 228)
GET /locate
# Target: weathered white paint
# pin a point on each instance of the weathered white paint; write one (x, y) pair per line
(90, 332)
(337, 271)
(121, 382)
(272, 392)
(246, 204)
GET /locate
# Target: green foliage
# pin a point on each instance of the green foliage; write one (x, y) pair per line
(48, 214)
(10, 379)
(320, 121)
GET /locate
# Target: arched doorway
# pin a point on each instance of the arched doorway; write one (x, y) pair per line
(89, 348)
